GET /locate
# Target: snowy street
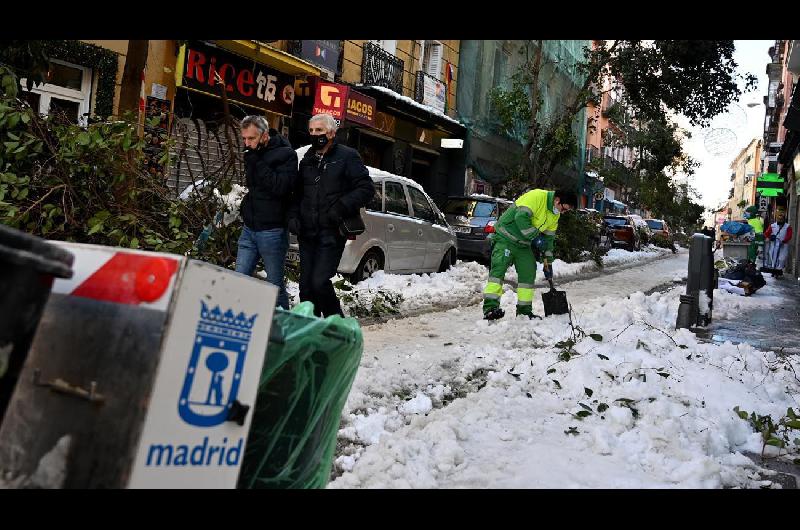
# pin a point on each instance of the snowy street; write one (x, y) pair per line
(447, 400)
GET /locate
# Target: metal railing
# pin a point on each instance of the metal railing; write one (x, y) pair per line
(381, 68)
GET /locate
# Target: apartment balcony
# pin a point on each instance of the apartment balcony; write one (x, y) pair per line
(380, 68)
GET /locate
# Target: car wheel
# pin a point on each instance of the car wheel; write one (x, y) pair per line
(447, 261)
(371, 263)
(631, 247)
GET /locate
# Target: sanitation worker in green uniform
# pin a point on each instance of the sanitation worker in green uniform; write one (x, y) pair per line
(751, 214)
(527, 227)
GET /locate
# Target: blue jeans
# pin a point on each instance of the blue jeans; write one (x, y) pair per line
(270, 245)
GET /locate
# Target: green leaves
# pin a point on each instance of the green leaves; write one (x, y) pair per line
(602, 407)
(741, 413)
(572, 430)
(602, 356)
(596, 336)
(588, 391)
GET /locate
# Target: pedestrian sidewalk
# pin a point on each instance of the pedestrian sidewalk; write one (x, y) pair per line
(773, 325)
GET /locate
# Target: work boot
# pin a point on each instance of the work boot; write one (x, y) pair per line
(528, 314)
(494, 314)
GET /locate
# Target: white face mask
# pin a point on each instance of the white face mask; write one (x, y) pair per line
(555, 210)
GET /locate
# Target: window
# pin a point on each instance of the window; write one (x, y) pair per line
(422, 208)
(395, 198)
(67, 91)
(500, 63)
(389, 46)
(432, 59)
(376, 203)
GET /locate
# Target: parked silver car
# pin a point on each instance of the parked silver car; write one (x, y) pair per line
(406, 233)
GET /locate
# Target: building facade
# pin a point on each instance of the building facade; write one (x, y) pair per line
(745, 170)
(781, 158)
(492, 154)
(398, 99)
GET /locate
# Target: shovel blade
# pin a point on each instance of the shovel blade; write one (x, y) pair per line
(555, 303)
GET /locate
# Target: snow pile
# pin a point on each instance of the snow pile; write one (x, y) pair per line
(463, 283)
(639, 405)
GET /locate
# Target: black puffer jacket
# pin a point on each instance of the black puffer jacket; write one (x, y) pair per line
(329, 189)
(271, 174)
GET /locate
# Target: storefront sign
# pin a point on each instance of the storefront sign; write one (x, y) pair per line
(246, 81)
(434, 93)
(770, 185)
(330, 98)
(323, 53)
(361, 108)
(452, 143)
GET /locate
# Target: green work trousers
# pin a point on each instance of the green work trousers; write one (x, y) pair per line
(505, 254)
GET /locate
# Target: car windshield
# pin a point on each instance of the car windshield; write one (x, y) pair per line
(469, 208)
(655, 225)
(615, 221)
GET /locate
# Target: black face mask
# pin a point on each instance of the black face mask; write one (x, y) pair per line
(319, 141)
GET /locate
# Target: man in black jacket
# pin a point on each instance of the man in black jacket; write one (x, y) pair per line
(333, 184)
(271, 172)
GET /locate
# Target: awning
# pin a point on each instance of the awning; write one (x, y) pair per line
(403, 105)
(269, 56)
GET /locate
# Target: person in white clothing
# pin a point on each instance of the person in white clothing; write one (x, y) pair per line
(778, 235)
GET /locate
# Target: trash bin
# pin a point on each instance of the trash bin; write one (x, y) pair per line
(28, 267)
(308, 372)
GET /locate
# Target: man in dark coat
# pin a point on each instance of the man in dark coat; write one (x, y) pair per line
(271, 173)
(333, 185)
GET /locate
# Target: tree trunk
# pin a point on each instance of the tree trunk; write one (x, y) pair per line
(135, 61)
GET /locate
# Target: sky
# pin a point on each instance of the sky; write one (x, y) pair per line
(716, 152)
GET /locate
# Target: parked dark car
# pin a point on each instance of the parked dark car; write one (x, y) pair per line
(623, 231)
(472, 218)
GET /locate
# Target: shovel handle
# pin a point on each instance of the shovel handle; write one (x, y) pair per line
(550, 280)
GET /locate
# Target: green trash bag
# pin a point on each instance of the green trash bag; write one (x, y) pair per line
(308, 371)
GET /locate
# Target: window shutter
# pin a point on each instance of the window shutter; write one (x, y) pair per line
(434, 67)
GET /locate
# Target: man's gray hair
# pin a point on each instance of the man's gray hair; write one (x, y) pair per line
(259, 122)
(327, 119)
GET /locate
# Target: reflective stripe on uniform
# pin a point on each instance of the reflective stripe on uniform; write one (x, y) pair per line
(492, 290)
(505, 233)
(491, 296)
(495, 280)
(523, 303)
(529, 231)
(525, 285)
(525, 208)
(524, 295)
(549, 232)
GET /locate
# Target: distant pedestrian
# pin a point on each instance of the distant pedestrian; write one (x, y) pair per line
(779, 234)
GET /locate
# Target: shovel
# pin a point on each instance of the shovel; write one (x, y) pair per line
(555, 302)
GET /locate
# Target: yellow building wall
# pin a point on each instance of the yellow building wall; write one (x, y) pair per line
(160, 66)
(409, 52)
